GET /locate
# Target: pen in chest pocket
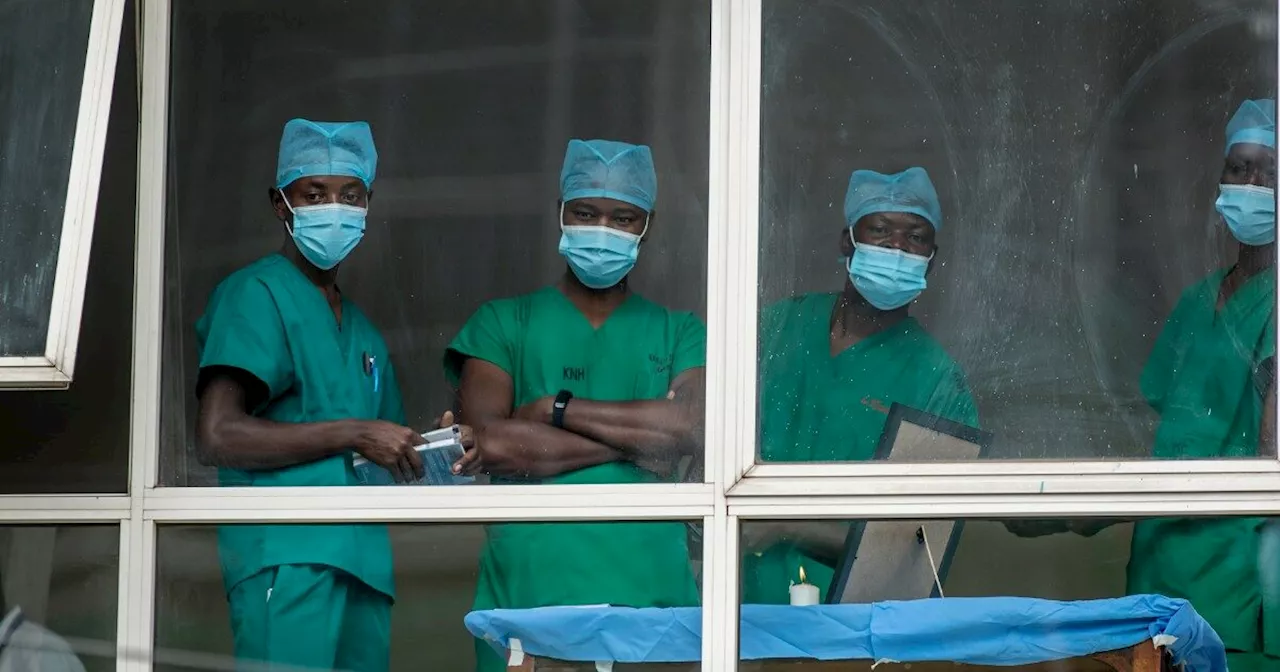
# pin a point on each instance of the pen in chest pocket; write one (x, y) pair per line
(371, 369)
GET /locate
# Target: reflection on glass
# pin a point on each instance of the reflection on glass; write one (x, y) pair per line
(318, 616)
(42, 61)
(1076, 150)
(58, 597)
(1227, 569)
(463, 209)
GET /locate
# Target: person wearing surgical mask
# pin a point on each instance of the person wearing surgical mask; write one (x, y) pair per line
(833, 363)
(1211, 379)
(584, 382)
(294, 381)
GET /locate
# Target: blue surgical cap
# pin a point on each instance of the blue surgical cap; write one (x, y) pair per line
(908, 191)
(1254, 123)
(608, 169)
(310, 148)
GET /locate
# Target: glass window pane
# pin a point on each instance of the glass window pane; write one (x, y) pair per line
(1076, 150)
(1225, 567)
(63, 580)
(471, 105)
(77, 440)
(42, 59)
(438, 573)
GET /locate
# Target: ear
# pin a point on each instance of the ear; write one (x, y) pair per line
(932, 259)
(846, 243)
(277, 204)
(368, 196)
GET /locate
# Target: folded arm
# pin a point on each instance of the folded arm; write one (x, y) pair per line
(654, 434)
(514, 447)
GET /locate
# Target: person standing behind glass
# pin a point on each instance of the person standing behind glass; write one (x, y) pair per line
(833, 363)
(1208, 376)
(584, 382)
(293, 380)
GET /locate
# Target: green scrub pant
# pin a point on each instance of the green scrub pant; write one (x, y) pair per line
(311, 617)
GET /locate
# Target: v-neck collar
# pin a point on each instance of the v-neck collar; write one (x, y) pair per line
(1246, 295)
(626, 302)
(827, 309)
(339, 322)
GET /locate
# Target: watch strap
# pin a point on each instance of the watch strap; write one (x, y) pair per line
(557, 408)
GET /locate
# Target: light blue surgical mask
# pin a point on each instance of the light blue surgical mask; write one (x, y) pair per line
(1249, 211)
(887, 278)
(599, 256)
(326, 234)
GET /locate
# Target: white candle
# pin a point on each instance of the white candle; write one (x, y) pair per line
(803, 594)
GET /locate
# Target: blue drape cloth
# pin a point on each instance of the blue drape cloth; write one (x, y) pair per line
(983, 631)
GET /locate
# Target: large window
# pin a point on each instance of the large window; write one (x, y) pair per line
(1076, 161)
(1018, 445)
(471, 106)
(56, 64)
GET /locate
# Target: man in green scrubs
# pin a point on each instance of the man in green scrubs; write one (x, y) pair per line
(833, 363)
(584, 381)
(293, 380)
(1208, 375)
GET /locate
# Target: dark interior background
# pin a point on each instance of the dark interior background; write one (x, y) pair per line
(1076, 146)
(471, 105)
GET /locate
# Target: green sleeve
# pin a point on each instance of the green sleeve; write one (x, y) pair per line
(1161, 366)
(242, 329)
(690, 344)
(390, 405)
(488, 335)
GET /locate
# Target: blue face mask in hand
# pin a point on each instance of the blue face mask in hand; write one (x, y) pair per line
(598, 255)
(885, 277)
(326, 234)
(1249, 211)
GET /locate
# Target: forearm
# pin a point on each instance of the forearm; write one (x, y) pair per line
(254, 444)
(643, 430)
(542, 450)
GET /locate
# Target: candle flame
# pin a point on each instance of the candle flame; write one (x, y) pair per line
(802, 574)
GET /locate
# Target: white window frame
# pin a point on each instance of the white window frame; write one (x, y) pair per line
(735, 490)
(54, 369)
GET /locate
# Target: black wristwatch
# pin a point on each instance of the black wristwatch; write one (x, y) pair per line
(557, 409)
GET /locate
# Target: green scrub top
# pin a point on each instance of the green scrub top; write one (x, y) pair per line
(270, 321)
(1200, 379)
(546, 345)
(817, 408)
